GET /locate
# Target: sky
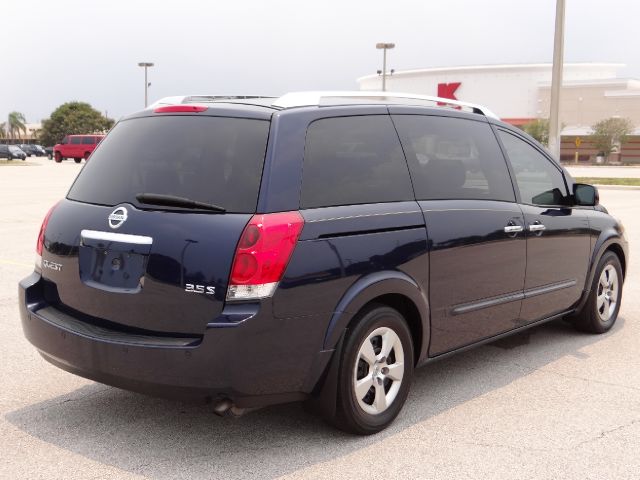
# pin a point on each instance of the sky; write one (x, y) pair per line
(65, 50)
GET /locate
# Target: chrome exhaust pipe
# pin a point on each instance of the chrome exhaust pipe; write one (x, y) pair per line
(226, 408)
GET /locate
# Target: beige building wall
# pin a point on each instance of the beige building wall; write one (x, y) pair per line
(583, 105)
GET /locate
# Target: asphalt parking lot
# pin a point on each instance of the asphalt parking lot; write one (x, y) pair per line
(548, 403)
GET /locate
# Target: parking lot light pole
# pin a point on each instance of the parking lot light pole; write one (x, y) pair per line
(146, 65)
(556, 81)
(384, 47)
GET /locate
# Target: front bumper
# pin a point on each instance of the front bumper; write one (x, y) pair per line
(248, 362)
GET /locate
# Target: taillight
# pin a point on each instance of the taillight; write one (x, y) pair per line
(262, 255)
(181, 108)
(40, 243)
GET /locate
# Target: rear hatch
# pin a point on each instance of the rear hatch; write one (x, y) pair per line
(146, 236)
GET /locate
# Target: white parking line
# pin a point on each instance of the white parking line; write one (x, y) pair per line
(11, 262)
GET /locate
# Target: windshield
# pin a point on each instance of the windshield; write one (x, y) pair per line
(214, 160)
(13, 148)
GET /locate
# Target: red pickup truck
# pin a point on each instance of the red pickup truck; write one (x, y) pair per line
(76, 147)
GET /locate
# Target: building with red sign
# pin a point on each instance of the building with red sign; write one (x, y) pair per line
(521, 93)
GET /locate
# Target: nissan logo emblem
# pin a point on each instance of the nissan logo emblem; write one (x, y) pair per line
(117, 217)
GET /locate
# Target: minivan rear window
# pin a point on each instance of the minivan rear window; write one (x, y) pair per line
(214, 160)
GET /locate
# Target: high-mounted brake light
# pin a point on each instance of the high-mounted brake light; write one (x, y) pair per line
(262, 255)
(180, 108)
(40, 242)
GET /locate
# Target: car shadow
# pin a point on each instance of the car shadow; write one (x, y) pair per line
(168, 439)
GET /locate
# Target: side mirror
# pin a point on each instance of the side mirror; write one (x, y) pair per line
(585, 195)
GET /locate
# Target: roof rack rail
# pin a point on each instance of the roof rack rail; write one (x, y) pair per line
(177, 100)
(306, 99)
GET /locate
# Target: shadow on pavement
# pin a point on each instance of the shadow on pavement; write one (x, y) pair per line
(168, 439)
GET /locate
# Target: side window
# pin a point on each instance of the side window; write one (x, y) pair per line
(539, 181)
(75, 140)
(454, 158)
(352, 160)
(87, 140)
(65, 141)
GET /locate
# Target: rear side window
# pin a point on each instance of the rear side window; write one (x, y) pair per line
(353, 160)
(453, 158)
(87, 141)
(539, 181)
(208, 159)
(75, 140)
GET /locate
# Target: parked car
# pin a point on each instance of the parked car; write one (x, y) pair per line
(313, 247)
(39, 151)
(25, 148)
(49, 152)
(12, 152)
(5, 153)
(76, 147)
(32, 149)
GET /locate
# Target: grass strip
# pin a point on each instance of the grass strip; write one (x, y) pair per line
(15, 163)
(635, 182)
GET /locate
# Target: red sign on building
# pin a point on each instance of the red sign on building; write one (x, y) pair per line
(448, 90)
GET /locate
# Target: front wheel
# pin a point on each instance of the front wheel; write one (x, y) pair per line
(58, 157)
(375, 371)
(601, 310)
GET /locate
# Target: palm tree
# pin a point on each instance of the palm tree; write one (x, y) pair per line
(16, 123)
(3, 129)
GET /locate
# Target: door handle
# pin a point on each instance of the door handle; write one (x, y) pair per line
(537, 227)
(513, 228)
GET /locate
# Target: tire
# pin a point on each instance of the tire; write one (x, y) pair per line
(367, 411)
(86, 156)
(600, 312)
(77, 160)
(58, 157)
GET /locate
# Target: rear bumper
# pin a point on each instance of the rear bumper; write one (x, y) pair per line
(248, 363)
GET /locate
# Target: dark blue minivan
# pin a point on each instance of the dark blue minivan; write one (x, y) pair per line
(252, 251)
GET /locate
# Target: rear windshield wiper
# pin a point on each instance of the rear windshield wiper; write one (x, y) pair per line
(174, 201)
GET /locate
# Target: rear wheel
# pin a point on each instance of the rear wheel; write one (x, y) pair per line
(77, 160)
(375, 371)
(86, 156)
(58, 157)
(601, 310)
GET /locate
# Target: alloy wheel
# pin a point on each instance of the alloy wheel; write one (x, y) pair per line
(378, 370)
(607, 296)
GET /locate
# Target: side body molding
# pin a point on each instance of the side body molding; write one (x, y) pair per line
(370, 287)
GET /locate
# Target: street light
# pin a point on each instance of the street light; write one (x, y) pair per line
(556, 81)
(384, 47)
(146, 84)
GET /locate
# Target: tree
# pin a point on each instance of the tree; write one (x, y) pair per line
(609, 135)
(73, 118)
(3, 129)
(538, 129)
(16, 123)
